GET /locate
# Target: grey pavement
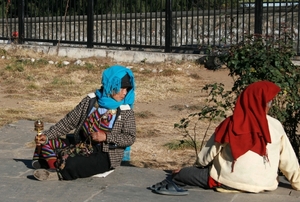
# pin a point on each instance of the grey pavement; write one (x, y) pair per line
(126, 183)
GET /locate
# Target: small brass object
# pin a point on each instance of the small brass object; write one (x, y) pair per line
(39, 127)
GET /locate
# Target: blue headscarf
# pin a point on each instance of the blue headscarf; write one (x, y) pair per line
(111, 83)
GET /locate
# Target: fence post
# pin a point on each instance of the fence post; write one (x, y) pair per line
(258, 16)
(21, 21)
(168, 34)
(298, 43)
(90, 24)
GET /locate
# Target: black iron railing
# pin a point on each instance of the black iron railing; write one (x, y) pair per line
(186, 26)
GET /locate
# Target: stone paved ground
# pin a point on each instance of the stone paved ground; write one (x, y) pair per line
(125, 184)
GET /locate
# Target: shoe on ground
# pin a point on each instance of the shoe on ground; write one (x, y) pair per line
(36, 164)
(43, 174)
(40, 163)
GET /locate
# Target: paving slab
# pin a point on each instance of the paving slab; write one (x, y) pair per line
(126, 183)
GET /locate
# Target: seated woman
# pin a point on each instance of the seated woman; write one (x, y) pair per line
(103, 124)
(244, 153)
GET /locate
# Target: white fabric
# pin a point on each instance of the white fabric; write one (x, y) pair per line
(103, 174)
(252, 172)
(91, 95)
(125, 107)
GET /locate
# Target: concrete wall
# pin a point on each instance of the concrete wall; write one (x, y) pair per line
(114, 55)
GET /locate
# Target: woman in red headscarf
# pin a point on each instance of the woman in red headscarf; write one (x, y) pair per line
(246, 150)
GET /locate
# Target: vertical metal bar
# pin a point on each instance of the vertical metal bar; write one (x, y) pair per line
(160, 25)
(258, 16)
(141, 27)
(90, 24)
(286, 19)
(84, 22)
(121, 21)
(249, 20)
(26, 31)
(168, 36)
(214, 23)
(155, 27)
(45, 36)
(150, 22)
(100, 23)
(97, 23)
(21, 21)
(198, 26)
(111, 24)
(35, 21)
(3, 17)
(9, 27)
(181, 24)
(116, 21)
(237, 22)
(74, 23)
(135, 25)
(175, 25)
(106, 23)
(292, 24)
(48, 22)
(69, 32)
(79, 28)
(208, 24)
(267, 19)
(61, 20)
(225, 18)
(279, 21)
(231, 19)
(273, 22)
(243, 20)
(186, 24)
(220, 28)
(145, 23)
(130, 31)
(52, 21)
(125, 22)
(298, 37)
(203, 28)
(39, 21)
(192, 26)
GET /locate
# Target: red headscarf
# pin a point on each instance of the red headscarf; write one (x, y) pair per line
(247, 129)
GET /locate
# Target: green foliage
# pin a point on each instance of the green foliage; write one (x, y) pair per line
(15, 67)
(256, 58)
(38, 8)
(180, 144)
(267, 58)
(189, 125)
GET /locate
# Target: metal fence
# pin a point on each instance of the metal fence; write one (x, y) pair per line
(186, 26)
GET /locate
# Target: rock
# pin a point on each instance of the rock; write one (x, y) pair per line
(78, 62)
(66, 63)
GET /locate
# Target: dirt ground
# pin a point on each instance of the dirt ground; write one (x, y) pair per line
(148, 151)
(157, 128)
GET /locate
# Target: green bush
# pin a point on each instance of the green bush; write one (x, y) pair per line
(256, 58)
(268, 58)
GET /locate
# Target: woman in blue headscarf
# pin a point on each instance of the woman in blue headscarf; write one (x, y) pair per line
(103, 124)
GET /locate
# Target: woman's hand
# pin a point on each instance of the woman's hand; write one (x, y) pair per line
(40, 139)
(99, 136)
(176, 171)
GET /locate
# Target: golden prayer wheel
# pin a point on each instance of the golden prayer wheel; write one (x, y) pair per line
(39, 127)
